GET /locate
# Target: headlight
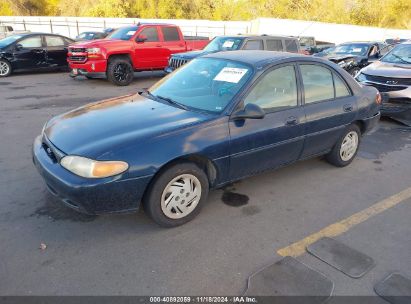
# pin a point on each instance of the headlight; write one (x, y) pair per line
(93, 50)
(89, 168)
(360, 77)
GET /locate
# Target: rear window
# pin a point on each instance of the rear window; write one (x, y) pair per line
(170, 34)
(253, 45)
(275, 45)
(291, 46)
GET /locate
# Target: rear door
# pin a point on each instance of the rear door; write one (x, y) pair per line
(31, 54)
(329, 107)
(148, 54)
(275, 140)
(172, 42)
(56, 48)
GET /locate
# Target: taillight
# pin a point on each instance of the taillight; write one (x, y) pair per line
(378, 99)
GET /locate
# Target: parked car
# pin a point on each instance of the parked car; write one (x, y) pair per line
(392, 77)
(220, 118)
(33, 51)
(310, 45)
(233, 43)
(145, 46)
(6, 30)
(85, 36)
(353, 56)
(395, 40)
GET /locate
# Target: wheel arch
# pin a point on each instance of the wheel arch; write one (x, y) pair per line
(120, 56)
(360, 125)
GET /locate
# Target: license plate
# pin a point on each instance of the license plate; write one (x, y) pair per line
(75, 71)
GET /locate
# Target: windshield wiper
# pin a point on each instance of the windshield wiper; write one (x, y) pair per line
(148, 93)
(173, 102)
(401, 58)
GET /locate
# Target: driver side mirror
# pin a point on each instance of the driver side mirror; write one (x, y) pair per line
(250, 111)
(141, 38)
(18, 47)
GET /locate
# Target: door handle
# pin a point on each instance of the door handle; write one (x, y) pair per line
(348, 108)
(291, 121)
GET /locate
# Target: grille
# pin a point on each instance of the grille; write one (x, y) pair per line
(389, 80)
(175, 63)
(77, 50)
(386, 88)
(77, 58)
(50, 152)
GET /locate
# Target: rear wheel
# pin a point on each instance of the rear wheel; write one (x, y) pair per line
(5, 68)
(346, 147)
(176, 195)
(120, 72)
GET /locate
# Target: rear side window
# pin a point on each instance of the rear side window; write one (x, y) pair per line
(253, 45)
(274, 45)
(170, 34)
(54, 41)
(32, 42)
(291, 46)
(341, 89)
(318, 83)
(276, 91)
(151, 34)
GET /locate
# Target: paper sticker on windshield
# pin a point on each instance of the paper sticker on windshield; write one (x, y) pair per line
(356, 50)
(228, 44)
(130, 33)
(232, 75)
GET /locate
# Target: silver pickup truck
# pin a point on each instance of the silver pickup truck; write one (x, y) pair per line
(7, 30)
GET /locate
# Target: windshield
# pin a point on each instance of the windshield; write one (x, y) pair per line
(124, 33)
(86, 35)
(358, 49)
(9, 40)
(224, 44)
(205, 84)
(400, 54)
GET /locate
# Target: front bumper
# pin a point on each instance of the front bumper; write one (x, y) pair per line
(169, 70)
(91, 196)
(94, 68)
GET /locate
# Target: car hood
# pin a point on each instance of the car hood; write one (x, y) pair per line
(97, 128)
(191, 55)
(386, 69)
(106, 43)
(338, 58)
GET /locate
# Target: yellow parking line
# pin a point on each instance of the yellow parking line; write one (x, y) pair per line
(298, 248)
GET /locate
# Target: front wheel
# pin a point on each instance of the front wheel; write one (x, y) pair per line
(120, 72)
(346, 147)
(175, 197)
(5, 68)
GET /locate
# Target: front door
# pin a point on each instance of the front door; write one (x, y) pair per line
(276, 139)
(30, 53)
(329, 107)
(148, 53)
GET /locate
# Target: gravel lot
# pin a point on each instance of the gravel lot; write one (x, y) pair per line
(215, 253)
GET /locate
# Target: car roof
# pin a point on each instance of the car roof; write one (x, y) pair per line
(360, 42)
(257, 36)
(256, 58)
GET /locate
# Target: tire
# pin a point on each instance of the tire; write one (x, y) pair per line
(342, 156)
(5, 68)
(353, 71)
(120, 72)
(169, 188)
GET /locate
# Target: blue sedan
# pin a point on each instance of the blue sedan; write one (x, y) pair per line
(218, 119)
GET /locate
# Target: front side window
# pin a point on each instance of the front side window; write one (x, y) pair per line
(150, 33)
(54, 41)
(318, 83)
(170, 34)
(274, 45)
(32, 42)
(205, 84)
(253, 45)
(291, 46)
(277, 90)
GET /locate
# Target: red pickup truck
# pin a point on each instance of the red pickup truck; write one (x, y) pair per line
(141, 47)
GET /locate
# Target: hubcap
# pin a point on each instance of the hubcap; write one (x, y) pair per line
(121, 72)
(349, 146)
(181, 196)
(4, 68)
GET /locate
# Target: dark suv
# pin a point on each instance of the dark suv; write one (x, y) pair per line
(234, 43)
